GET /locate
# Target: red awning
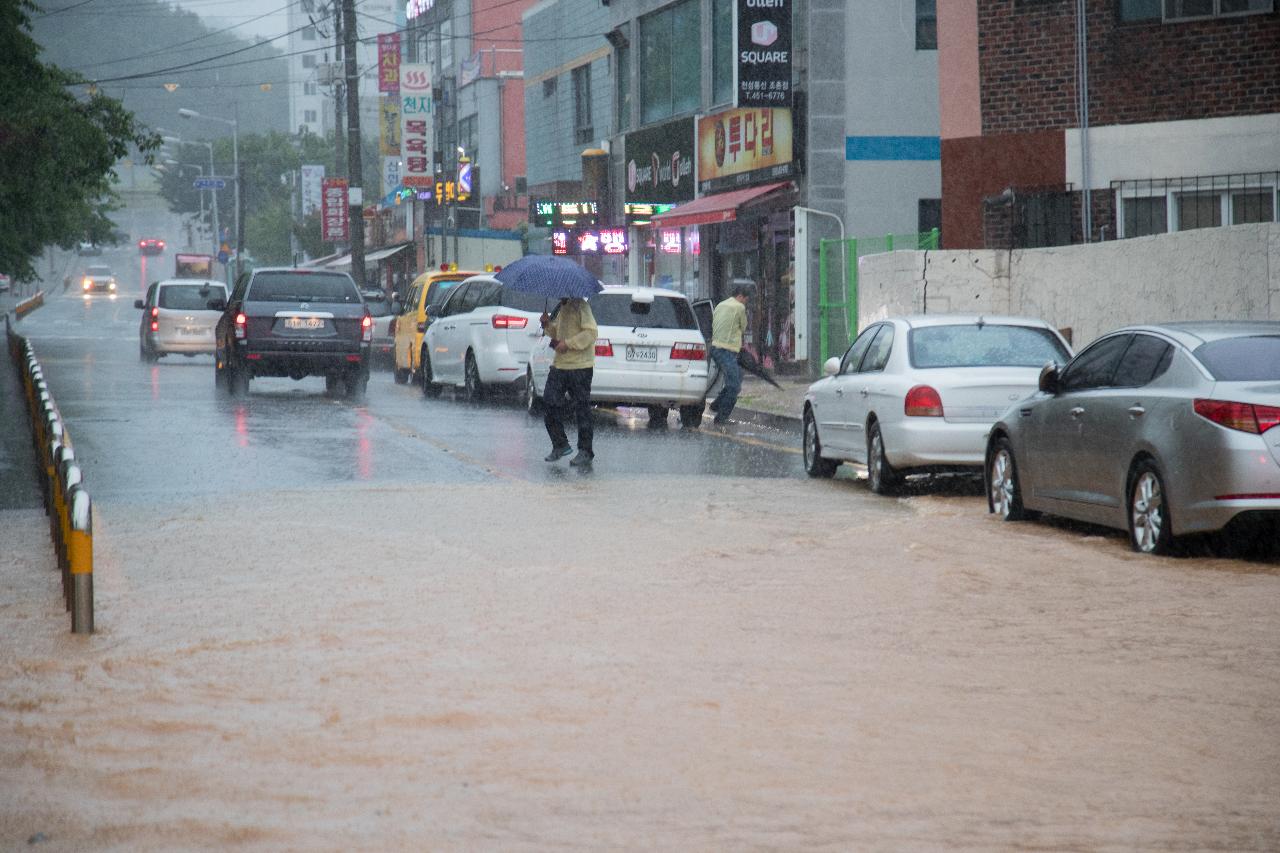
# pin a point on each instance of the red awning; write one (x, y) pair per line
(722, 207)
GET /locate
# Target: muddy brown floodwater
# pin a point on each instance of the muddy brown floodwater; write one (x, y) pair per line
(678, 663)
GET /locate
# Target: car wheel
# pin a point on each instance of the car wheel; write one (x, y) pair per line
(472, 387)
(532, 402)
(1150, 527)
(401, 376)
(691, 417)
(430, 388)
(658, 416)
(1004, 491)
(357, 383)
(881, 477)
(814, 463)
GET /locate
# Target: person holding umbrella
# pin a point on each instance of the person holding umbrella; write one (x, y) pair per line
(728, 323)
(573, 334)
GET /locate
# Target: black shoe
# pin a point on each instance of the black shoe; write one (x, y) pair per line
(713, 407)
(558, 453)
(584, 457)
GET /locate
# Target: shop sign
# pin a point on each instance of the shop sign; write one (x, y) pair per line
(389, 126)
(660, 165)
(417, 125)
(545, 213)
(390, 173)
(762, 70)
(743, 146)
(312, 175)
(589, 241)
(639, 212)
(333, 210)
(389, 62)
(414, 8)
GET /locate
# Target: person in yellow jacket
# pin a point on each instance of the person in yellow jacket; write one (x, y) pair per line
(728, 323)
(573, 335)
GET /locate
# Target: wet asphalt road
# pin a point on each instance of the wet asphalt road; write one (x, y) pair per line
(149, 430)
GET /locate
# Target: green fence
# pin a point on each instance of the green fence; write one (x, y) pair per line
(838, 283)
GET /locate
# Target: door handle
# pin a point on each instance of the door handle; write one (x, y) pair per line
(1136, 410)
(1077, 412)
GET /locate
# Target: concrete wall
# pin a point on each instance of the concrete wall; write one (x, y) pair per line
(1210, 273)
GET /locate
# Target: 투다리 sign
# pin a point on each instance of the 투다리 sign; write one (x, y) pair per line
(333, 210)
(417, 126)
(741, 147)
(762, 63)
(660, 163)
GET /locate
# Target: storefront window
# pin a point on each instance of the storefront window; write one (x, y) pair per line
(670, 61)
(721, 52)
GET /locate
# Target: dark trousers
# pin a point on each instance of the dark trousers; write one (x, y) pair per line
(724, 402)
(576, 385)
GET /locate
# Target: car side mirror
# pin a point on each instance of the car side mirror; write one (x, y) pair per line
(831, 366)
(217, 304)
(138, 303)
(1049, 378)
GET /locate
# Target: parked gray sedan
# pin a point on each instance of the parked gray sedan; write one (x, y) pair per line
(1163, 430)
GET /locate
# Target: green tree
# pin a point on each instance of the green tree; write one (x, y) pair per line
(57, 150)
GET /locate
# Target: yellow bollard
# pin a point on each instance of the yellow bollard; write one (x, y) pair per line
(68, 477)
(80, 558)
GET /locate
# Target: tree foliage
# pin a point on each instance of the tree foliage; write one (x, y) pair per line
(57, 150)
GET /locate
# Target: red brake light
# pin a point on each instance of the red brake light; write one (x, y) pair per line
(1245, 417)
(692, 352)
(604, 348)
(923, 402)
(508, 321)
(155, 326)
(155, 311)
(241, 321)
(366, 327)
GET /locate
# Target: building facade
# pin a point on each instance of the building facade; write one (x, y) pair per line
(1093, 120)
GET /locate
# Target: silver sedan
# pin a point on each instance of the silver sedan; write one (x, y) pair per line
(919, 394)
(1161, 430)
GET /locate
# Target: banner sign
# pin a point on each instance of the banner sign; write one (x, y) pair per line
(311, 178)
(660, 163)
(589, 241)
(390, 173)
(333, 210)
(762, 62)
(389, 62)
(741, 147)
(417, 126)
(389, 126)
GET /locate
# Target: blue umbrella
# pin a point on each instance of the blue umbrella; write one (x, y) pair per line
(549, 276)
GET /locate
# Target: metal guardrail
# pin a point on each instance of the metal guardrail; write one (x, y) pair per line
(66, 501)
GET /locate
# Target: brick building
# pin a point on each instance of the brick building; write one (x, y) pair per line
(1171, 122)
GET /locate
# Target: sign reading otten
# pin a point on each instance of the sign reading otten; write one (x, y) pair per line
(660, 163)
(741, 147)
(417, 126)
(762, 65)
(333, 210)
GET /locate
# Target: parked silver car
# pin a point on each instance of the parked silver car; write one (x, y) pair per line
(919, 394)
(1163, 430)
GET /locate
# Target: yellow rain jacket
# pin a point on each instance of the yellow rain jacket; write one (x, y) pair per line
(576, 326)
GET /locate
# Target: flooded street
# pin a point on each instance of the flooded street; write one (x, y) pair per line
(392, 626)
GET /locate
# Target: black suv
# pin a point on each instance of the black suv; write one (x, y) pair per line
(295, 323)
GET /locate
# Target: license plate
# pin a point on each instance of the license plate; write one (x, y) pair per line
(637, 353)
(190, 330)
(304, 322)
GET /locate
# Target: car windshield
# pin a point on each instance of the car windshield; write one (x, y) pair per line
(302, 287)
(984, 345)
(1255, 358)
(190, 297)
(664, 312)
(98, 271)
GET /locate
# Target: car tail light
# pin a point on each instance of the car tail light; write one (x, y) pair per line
(508, 321)
(1245, 417)
(604, 349)
(690, 352)
(87, 283)
(923, 402)
(241, 322)
(366, 328)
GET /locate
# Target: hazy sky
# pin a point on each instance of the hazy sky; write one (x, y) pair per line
(225, 13)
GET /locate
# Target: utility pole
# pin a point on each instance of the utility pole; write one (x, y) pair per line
(355, 168)
(340, 155)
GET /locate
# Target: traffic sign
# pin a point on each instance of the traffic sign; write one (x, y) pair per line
(209, 184)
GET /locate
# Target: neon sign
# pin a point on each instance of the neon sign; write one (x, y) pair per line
(414, 8)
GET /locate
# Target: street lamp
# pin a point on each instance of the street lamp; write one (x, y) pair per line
(213, 192)
(235, 165)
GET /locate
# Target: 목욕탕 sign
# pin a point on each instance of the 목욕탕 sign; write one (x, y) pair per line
(762, 63)
(417, 126)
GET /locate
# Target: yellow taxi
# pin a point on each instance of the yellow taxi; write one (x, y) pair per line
(430, 288)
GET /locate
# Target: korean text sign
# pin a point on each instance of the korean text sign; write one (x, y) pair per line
(333, 210)
(389, 62)
(589, 241)
(743, 146)
(417, 126)
(762, 64)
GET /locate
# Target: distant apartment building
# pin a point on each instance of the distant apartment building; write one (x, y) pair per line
(1103, 119)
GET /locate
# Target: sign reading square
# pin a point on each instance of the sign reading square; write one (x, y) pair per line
(762, 56)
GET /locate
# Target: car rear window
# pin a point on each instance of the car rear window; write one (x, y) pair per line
(190, 297)
(1255, 358)
(985, 345)
(302, 287)
(521, 301)
(377, 303)
(664, 312)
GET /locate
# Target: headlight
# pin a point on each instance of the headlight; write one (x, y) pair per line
(111, 285)
(88, 283)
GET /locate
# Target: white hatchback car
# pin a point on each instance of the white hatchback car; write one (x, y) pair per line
(649, 352)
(919, 394)
(176, 317)
(479, 338)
